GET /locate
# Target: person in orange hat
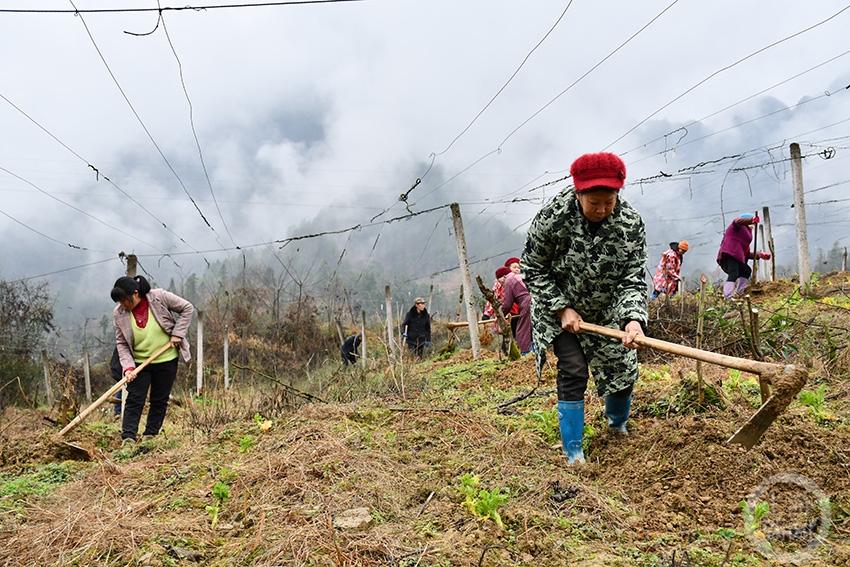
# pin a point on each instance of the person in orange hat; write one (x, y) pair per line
(584, 260)
(668, 274)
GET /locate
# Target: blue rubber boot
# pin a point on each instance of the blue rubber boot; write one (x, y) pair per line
(571, 422)
(728, 289)
(740, 285)
(617, 408)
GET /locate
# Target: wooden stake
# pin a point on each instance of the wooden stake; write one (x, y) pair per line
(226, 358)
(764, 385)
(755, 275)
(766, 212)
(754, 332)
(391, 344)
(339, 332)
(463, 261)
(844, 260)
(803, 265)
(48, 390)
(199, 379)
(131, 265)
(363, 337)
(701, 318)
(430, 297)
(763, 266)
(87, 375)
(400, 320)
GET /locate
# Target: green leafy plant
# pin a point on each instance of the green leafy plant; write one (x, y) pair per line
(480, 502)
(220, 492)
(589, 435)
(753, 515)
(246, 443)
(226, 475)
(545, 424)
(38, 482)
(815, 401)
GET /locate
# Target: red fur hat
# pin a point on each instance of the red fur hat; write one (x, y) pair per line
(512, 260)
(502, 271)
(598, 170)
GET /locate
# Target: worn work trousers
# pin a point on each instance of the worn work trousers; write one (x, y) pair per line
(573, 371)
(158, 379)
(734, 269)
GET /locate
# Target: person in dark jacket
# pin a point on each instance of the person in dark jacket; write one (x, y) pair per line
(350, 349)
(416, 327)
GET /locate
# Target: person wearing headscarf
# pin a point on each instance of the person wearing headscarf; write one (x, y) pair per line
(145, 319)
(668, 274)
(734, 253)
(499, 292)
(584, 260)
(516, 294)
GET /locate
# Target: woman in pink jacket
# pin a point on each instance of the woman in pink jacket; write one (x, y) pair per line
(735, 252)
(144, 320)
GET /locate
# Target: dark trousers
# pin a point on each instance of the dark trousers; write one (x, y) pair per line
(734, 269)
(158, 379)
(572, 368)
(418, 345)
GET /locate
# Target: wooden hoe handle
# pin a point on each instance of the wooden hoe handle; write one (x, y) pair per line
(788, 380)
(111, 391)
(744, 364)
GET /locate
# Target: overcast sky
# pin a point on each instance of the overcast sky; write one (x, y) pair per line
(333, 110)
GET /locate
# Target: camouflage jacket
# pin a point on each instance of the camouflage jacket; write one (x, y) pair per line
(600, 276)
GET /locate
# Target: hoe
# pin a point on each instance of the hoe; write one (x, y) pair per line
(77, 449)
(787, 380)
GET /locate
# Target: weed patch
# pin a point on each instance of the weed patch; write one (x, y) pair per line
(38, 482)
(482, 503)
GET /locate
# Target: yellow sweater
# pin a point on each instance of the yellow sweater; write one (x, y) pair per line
(147, 340)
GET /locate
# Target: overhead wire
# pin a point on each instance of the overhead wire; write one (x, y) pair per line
(194, 8)
(826, 94)
(734, 104)
(63, 270)
(506, 83)
(599, 63)
(139, 119)
(79, 210)
(98, 173)
(48, 237)
(726, 68)
(284, 241)
(192, 123)
(404, 196)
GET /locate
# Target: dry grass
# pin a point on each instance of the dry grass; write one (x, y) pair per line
(671, 486)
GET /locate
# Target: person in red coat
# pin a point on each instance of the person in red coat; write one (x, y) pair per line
(516, 292)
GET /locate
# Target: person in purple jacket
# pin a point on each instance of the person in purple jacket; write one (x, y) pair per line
(735, 252)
